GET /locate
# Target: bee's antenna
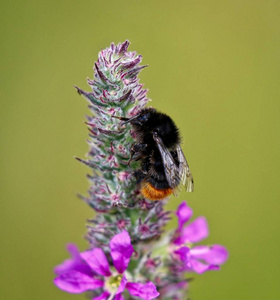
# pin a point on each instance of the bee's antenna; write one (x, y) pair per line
(129, 120)
(126, 120)
(121, 118)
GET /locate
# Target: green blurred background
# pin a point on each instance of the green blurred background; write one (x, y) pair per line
(213, 66)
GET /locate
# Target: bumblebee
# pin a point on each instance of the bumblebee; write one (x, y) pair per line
(157, 145)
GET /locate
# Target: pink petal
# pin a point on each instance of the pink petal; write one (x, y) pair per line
(97, 261)
(73, 250)
(122, 285)
(200, 267)
(183, 254)
(75, 263)
(195, 231)
(103, 296)
(119, 297)
(145, 291)
(184, 213)
(121, 250)
(215, 254)
(76, 282)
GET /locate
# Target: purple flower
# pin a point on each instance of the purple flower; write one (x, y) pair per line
(90, 270)
(196, 258)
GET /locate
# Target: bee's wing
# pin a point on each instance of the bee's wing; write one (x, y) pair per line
(170, 168)
(184, 170)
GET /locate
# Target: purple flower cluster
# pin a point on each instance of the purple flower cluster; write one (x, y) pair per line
(90, 271)
(129, 257)
(108, 278)
(195, 258)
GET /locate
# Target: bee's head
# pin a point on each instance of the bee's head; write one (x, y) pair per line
(154, 123)
(144, 118)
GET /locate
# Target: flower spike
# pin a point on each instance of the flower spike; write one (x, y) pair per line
(129, 256)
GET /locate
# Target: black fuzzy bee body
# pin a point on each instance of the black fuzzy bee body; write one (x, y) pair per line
(150, 121)
(157, 146)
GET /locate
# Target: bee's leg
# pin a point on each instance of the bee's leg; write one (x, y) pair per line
(136, 151)
(142, 173)
(139, 176)
(138, 148)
